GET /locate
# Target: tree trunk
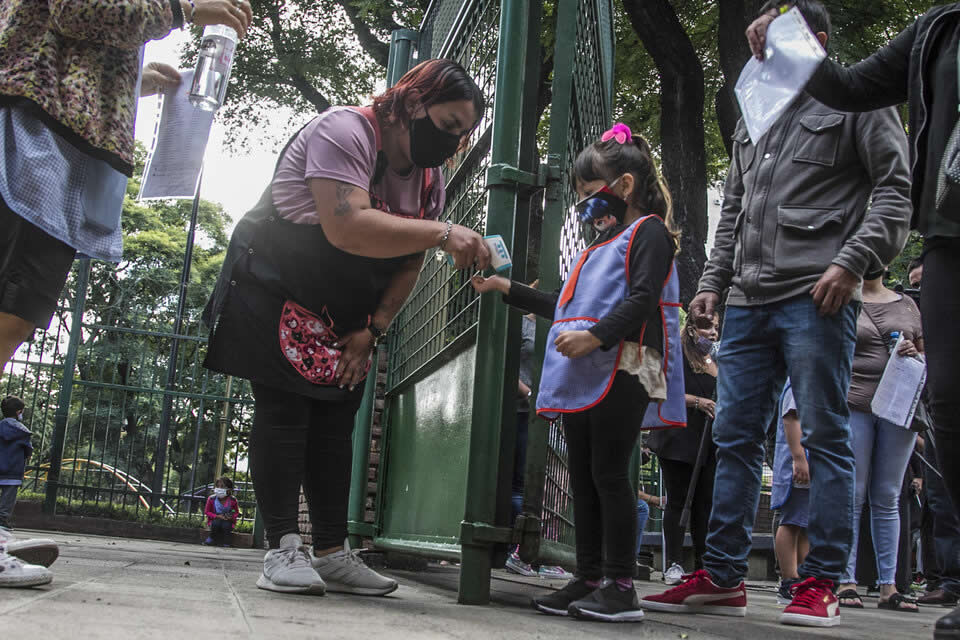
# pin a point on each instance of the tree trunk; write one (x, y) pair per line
(735, 17)
(681, 129)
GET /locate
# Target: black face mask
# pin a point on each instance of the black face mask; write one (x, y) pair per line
(429, 146)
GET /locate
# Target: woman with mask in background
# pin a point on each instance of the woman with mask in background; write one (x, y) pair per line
(677, 450)
(313, 277)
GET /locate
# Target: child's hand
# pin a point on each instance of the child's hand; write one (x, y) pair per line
(801, 470)
(493, 283)
(576, 344)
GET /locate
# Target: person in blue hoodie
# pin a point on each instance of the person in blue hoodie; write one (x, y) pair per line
(15, 450)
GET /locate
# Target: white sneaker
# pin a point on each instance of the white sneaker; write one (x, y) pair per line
(287, 569)
(17, 573)
(345, 572)
(673, 575)
(42, 551)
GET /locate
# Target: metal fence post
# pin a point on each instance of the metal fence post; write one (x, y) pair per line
(402, 42)
(160, 458)
(492, 374)
(356, 526)
(62, 414)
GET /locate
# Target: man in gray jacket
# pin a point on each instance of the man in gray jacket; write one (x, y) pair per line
(817, 202)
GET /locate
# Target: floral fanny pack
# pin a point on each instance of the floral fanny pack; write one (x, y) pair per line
(307, 342)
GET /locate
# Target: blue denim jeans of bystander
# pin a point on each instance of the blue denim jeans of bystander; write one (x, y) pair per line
(761, 346)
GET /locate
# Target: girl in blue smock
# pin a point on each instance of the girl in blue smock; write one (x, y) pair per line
(612, 354)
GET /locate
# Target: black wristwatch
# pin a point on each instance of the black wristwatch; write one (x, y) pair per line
(377, 334)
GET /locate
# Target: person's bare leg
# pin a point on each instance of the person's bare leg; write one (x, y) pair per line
(803, 546)
(13, 332)
(785, 546)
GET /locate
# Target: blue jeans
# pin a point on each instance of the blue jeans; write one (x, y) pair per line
(882, 451)
(760, 347)
(643, 512)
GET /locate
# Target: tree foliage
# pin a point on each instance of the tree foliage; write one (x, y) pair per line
(677, 62)
(129, 311)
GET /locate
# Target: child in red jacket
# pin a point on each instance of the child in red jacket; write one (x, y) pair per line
(222, 511)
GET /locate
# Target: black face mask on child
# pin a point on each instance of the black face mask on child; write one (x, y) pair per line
(430, 146)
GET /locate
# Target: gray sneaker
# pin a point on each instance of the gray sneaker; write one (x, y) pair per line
(14, 572)
(287, 569)
(41, 551)
(345, 572)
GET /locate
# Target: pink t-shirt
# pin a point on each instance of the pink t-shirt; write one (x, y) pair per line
(340, 144)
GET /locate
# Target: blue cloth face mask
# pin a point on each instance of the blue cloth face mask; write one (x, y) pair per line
(705, 345)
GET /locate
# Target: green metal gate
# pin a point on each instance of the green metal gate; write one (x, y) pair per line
(450, 423)
(580, 113)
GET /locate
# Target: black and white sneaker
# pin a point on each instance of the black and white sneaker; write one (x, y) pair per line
(557, 603)
(608, 604)
(784, 596)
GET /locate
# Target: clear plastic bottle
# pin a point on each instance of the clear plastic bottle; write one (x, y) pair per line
(892, 341)
(209, 86)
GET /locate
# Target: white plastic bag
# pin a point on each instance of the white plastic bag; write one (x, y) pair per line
(766, 89)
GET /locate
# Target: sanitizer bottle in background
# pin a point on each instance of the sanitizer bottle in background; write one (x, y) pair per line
(210, 79)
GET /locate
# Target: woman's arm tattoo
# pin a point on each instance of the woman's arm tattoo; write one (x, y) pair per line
(343, 205)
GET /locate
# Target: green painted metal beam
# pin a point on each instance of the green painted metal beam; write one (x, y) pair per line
(493, 375)
(359, 470)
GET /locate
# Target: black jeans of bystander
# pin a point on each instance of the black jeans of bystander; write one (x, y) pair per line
(940, 305)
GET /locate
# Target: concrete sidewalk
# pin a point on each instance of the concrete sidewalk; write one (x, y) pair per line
(119, 588)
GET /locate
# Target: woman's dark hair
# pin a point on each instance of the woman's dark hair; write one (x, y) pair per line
(609, 160)
(225, 481)
(429, 83)
(688, 334)
(816, 15)
(11, 406)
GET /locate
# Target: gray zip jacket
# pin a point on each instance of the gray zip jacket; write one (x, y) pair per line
(822, 187)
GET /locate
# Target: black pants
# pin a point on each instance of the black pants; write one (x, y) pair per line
(600, 442)
(940, 304)
(298, 441)
(676, 480)
(221, 532)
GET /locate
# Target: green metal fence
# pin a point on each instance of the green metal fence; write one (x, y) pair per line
(121, 430)
(444, 485)
(580, 113)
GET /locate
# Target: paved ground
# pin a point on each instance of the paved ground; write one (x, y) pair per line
(119, 588)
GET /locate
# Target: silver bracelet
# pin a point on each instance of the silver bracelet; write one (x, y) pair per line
(446, 235)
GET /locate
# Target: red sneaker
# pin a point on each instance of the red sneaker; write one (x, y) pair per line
(698, 594)
(814, 605)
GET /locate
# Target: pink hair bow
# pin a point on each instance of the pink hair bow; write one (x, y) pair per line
(620, 132)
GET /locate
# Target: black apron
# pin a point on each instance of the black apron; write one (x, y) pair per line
(283, 290)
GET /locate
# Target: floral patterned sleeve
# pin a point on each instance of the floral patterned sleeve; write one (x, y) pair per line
(125, 24)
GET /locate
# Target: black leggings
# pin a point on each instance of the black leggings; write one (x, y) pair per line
(298, 441)
(676, 480)
(600, 442)
(940, 303)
